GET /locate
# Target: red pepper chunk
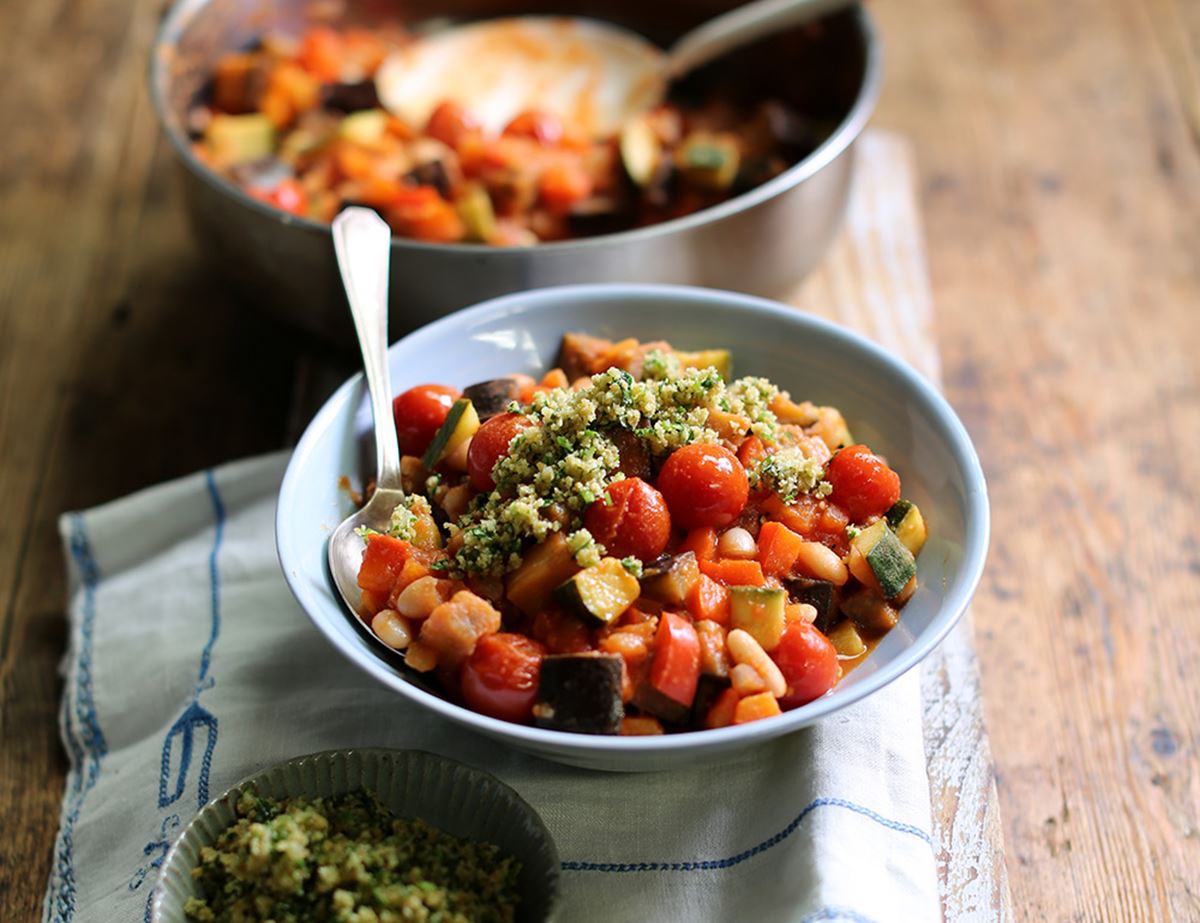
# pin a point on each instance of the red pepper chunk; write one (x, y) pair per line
(382, 563)
(675, 670)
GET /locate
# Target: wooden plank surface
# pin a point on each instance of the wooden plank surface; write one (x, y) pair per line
(1057, 146)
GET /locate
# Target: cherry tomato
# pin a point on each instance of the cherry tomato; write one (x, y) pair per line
(863, 484)
(489, 445)
(542, 127)
(704, 485)
(288, 196)
(450, 123)
(419, 412)
(500, 678)
(807, 661)
(635, 523)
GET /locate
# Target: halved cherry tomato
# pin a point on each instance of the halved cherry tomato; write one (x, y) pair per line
(450, 123)
(675, 670)
(500, 678)
(489, 445)
(543, 127)
(419, 412)
(288, 195)
(635, 523)
(704, 485)
(863, 484)
(807, 661)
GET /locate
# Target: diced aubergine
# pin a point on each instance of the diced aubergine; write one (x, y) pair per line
(461, 424)
(761, 611)
(872, 615)
(582, 354)
(890, 561)
(719, 359)
(599, 593)
(671, 578)
(492, 397)
(847, 641)
(707, 689)
(909, 525)
(580, 693)
(431, 173)
(350, 97)
(531, 585)
(663, 707)
(820, 594)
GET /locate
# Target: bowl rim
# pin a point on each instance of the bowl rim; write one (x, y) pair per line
(158, 895)
(977, 515)
(178, 18)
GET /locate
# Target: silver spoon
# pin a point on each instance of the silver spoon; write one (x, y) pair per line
(594, 75)
(362, 241)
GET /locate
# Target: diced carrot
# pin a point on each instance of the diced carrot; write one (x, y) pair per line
(733, 572)
(754, 707)
(751, 452)
(778, 547)
(564, 183)
(382, 563)
(721, 712)
(640, 726)
(412, 571)
(426, 216)
(555, 378)
(353, 161)
(703, 542)
(709, 600)
(321, 54)
(373, 602)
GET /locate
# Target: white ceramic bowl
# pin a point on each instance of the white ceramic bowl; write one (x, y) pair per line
(462, 801)
(887, 404)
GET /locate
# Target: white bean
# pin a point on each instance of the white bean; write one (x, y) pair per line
(737, 543)
(391, 629)
(420, 598)
(748, 652)
(816, 560)
(746, 680)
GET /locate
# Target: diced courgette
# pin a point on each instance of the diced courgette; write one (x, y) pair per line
(461, 424)
(600, 593)
(761, 611)
(236, 139)
(720, 359)
(671, 578)
(641, 150)
(709, 160)
(847, 641)
(580, 693)
(890, 561)
(492, 397)
(475, 209)
(363, 127)
(820, 594)
(909, 525)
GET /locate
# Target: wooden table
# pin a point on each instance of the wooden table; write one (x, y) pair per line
(1058, 150)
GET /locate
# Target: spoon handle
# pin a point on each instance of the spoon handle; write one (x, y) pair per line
(740, 26)
(362, 241)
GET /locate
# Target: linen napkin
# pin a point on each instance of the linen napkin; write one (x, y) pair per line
(190, 667)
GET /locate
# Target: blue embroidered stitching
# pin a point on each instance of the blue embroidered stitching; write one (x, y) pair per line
(86, 720)
(707, 864)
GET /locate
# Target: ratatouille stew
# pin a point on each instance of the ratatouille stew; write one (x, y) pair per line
(298, 124)
(636, 544)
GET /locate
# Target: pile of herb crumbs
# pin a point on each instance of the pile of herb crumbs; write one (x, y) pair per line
(347, 860)
(556, 468)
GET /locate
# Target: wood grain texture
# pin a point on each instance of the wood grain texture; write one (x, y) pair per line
(1058, 152)
(875, 280)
